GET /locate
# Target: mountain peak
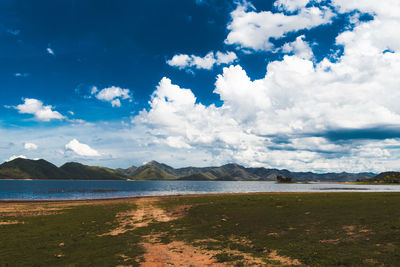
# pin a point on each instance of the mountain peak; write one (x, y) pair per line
(153, 162)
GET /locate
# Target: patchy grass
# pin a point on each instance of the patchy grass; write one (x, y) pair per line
(70, 237)
(318, 229)
(343, 229)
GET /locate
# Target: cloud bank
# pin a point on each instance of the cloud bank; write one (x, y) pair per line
(302, 114)
(284, 119)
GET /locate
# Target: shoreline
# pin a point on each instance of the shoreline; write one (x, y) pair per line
(138, 180)
(133, 198)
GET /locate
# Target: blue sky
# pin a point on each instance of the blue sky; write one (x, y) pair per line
(296, 84)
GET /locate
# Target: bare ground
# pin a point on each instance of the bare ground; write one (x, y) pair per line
(175, 253)
(178, 253)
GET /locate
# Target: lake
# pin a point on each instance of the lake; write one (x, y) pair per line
(96, 189)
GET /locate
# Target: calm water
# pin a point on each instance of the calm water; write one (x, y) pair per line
(79, 189)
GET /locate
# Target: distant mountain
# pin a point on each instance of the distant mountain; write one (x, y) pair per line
(76, 170)
(383, 178)
(129, 171)
(153, 170)
(41, 169)
(30, 169)
(233, 172)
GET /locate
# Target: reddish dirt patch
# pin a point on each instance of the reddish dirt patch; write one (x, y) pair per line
(349, 229)
(176, 253)
(282, 259)
(10, 222)
(145, 213)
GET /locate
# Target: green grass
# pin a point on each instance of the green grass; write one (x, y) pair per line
(319, 229)
(297, 226)
(37, 241)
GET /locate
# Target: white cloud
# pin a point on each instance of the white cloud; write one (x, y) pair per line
(299, 47)
(111, 94)
(225, 58)
(93, 90)
(50, 51)
(253, 30)
(36, 108)
(298, 100)
(280, 120)
(116, 103)
(176, 142)
(30, 146)
(81, 149)
(180, 60)
(388, 9)
(207, 62)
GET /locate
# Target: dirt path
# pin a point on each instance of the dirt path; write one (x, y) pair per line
(178, 253)
(158, 254)
(143, 215)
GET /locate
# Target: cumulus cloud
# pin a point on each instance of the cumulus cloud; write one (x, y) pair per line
(36, 108)
(254, 30)
(285, 118)
(81, 149)
(111, 94)
(30, 146)
(280, 119)
(180, 60)
(299, 47)
(183, 61)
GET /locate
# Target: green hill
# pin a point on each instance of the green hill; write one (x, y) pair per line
(383, 178)
(41, 169)
(152, 173)
(30, 169)
(79, 171)
(153, 170)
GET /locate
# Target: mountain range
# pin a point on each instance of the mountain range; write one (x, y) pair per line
(41, 169)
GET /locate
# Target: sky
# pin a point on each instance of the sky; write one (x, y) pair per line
(289, 84)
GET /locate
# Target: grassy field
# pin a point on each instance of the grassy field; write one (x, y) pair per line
(317, 229)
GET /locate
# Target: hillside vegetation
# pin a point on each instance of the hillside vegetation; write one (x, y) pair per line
(383, 178)
(153, 170)
(41, 169)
